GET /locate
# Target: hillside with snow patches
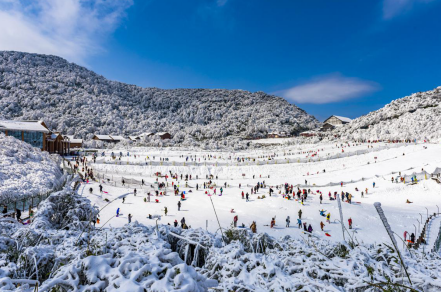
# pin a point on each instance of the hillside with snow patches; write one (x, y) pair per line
(25, 170)
(417, 116)
(77, 101)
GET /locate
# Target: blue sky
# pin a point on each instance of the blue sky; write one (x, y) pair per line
(328, 57)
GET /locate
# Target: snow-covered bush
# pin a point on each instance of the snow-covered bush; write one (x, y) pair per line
(63, 251)
(25, 170)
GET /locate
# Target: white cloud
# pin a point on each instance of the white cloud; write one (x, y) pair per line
(393, 8)
(73, 29)
(329, 89)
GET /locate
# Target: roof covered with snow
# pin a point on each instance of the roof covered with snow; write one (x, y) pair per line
(31, 126)
(104, 137)
(161, 133)
(72, 139)
(117, 138)
(343, 119)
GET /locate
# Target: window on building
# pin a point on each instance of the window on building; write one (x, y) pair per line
(15, 134)
(34, 138)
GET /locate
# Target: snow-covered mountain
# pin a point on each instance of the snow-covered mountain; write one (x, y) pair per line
(25, 170)
(417, 116)
(75, 100)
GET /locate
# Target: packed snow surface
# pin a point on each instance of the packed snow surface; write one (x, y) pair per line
(275, 168)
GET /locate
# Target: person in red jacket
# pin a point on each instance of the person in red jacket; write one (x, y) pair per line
(235, 220)
(350, 223)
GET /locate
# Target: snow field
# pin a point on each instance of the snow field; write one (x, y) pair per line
(197, 209)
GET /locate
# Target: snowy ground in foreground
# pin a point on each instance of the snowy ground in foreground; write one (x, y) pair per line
(197, 209)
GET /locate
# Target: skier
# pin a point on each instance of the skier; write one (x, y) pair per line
(235, 219)
(165, 211)
(130, 218)
(299, 222)
(287, 221)
(117, 212)
(300, 214)
(179, 205)
(322, 225)
(350, 222)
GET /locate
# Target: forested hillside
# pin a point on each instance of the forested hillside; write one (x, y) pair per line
(75, 100)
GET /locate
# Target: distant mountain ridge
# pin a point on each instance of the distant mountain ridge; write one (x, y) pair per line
(77, 101)
(417, 116)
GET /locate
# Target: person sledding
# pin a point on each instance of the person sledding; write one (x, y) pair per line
(253, 227)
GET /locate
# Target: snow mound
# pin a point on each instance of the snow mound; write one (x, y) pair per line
(25, 170)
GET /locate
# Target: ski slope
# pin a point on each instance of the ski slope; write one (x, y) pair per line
(198, 207)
